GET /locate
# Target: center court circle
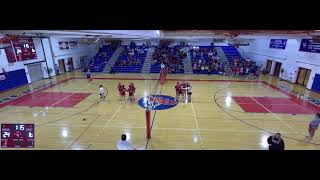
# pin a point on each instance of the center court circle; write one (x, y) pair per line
(158, 102)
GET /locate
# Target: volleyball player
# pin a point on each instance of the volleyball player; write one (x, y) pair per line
(184, 89)
(189, 92)
(102, 94)
(177, 87)
(131, 90)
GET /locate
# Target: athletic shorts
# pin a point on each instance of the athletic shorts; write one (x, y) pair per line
(88, 76)
(189, 93)
(101, 94)
(312, 127)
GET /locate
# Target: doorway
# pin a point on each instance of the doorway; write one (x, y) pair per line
(268, 67)
(70, 64)
(277, 69)
(303, 76)
(62, 66)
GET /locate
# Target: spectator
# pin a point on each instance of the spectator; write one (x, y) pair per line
(111, 70)
(194, 67)
(202, 67)
(123, 144)
(56, 67)
(241, 71)
(276, 142)
(162, 66)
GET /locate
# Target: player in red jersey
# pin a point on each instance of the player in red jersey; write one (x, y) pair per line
(177, 86)
(119, 88)
(122, 91)
(184, 89)
(180, 90)
(131, 90)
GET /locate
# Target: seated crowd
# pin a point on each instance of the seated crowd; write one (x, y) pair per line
(169, 56)
(246, 67)
(206, 61)
(131, 55)
(99, 61)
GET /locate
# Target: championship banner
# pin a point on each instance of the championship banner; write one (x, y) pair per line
(278, 43)
(310, 45)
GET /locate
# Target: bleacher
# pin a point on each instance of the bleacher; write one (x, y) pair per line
(134, 68)
(194, 59)
(98, 62)
(155, 67)
(231, 53)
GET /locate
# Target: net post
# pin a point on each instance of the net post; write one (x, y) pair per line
(148, 123)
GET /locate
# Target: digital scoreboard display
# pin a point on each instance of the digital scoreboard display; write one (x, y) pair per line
(24, 49)
(17, 135)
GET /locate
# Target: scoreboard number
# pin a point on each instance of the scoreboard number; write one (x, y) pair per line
(6, 134)
(30, 135)
(20, 127)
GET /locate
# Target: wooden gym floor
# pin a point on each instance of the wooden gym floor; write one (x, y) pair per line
(225, 113)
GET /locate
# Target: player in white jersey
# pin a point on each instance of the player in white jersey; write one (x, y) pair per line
(102, 94)
(189, 92)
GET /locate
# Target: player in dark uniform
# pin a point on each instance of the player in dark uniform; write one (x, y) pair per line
(88, 75)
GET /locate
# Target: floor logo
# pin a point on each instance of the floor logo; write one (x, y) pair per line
(158, 102)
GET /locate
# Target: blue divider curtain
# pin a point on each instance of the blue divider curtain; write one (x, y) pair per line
(13, 79)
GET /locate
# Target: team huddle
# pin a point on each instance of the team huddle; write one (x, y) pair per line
(122, 92)
(131, 90)
(184, 90)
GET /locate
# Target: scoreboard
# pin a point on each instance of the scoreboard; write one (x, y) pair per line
(24, 49)
(17, 135)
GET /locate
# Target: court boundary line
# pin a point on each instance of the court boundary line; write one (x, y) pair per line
(104, 126)
(197, 125)
(290, 127)
(76, 139)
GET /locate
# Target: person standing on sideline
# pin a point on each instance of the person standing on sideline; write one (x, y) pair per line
(88, 75)
(123, 144)
(313, 126)
(56, 67)
(276, 142)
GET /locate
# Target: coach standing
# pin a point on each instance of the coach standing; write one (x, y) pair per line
(276, 142)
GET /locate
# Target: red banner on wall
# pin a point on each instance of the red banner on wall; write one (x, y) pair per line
(10, 54)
